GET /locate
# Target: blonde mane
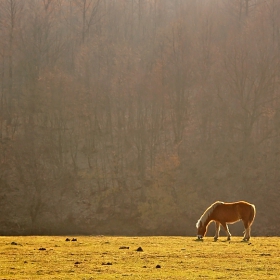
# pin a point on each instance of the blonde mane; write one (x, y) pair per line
(207, 212)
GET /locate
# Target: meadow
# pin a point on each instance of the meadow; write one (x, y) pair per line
(115, 257)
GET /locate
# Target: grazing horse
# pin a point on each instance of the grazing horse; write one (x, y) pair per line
(227, 213)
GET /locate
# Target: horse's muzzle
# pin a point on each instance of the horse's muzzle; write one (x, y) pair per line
(199, 237)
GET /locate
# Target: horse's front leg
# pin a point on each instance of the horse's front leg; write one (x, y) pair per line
(218, 226)
(225, 226)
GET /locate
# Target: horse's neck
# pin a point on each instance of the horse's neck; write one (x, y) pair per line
(207, 221)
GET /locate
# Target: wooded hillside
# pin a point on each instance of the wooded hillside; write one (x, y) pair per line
(133, 116)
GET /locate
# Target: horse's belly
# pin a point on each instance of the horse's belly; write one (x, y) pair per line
(233, 221)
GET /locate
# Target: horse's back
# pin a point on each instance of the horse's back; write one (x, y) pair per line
(230, 212)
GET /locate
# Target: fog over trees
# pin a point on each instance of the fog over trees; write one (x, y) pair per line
(133, 116)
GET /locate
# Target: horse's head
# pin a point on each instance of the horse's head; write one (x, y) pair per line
(201, 229)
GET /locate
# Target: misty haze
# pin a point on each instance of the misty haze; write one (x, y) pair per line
(131, 117)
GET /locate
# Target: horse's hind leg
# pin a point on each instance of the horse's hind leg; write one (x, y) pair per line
(247, 232)
(225, 226)
(248, 223)
(217, 224)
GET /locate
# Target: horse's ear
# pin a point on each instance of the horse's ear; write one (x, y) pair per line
(198, 224)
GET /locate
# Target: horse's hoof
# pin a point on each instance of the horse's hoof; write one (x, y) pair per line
(199, 239)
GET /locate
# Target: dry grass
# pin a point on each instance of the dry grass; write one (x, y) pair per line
(100, 257)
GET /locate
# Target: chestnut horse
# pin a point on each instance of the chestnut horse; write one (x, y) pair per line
(227, 213)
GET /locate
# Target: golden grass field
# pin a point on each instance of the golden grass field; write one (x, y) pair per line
(101, 257)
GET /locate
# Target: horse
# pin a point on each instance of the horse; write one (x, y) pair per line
(227, 213)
